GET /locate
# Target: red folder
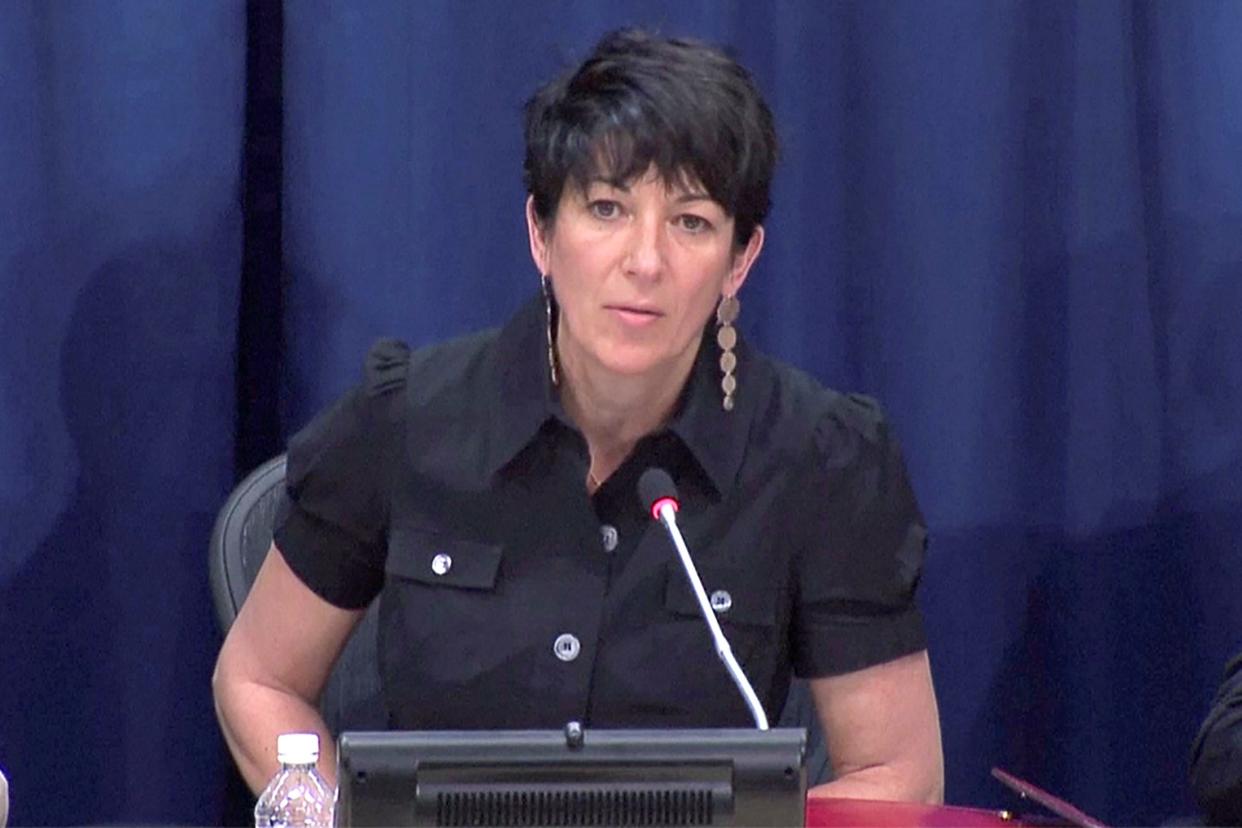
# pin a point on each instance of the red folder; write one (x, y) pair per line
(822, 812)
(865, 813)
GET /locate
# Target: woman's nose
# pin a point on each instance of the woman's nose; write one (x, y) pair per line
(645, 257)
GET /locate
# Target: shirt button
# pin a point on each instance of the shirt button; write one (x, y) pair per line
(441, 564)
(566, 647)
(608, 533)
(721, 601)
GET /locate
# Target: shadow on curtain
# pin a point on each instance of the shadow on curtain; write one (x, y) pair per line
(120, 234)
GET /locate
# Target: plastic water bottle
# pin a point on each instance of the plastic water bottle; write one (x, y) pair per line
(297, 797)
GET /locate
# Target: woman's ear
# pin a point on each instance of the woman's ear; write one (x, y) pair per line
(538, 237)
(743, 260)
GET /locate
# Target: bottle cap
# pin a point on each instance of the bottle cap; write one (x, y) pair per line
(297, 748)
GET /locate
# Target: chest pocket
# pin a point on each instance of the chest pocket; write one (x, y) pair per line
(737, 597)
(443, 628)
(436, 560)
(745, 606)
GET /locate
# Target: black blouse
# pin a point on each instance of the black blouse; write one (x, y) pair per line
(451, 484)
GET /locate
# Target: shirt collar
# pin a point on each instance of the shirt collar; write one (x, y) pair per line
(525, 396)
(527, 400)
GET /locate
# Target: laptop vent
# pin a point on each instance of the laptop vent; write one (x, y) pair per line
(626, 807)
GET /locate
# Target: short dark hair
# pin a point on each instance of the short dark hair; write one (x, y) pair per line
(639, 101)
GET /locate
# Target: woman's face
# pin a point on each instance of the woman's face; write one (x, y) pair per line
(637, 271)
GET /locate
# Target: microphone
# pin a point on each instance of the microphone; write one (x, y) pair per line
(656, 490)
(659, 495)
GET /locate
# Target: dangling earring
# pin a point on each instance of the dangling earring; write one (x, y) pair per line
(726, 338)
(546, 284)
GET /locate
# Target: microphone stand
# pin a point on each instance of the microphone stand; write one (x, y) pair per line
(667, 515)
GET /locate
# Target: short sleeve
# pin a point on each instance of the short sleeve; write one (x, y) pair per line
(332, 524)
(862, 556)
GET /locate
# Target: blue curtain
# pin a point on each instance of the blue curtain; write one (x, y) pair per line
(120, 252)
(1019, 224)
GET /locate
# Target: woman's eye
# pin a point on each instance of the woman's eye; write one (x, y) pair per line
(694, 224)
(604, 209)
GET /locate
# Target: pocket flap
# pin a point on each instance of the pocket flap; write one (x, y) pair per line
(432, 558)
(738, 597)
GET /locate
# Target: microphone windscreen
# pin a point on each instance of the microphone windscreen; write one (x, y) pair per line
(655, 484)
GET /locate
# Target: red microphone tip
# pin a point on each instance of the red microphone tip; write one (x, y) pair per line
(659, 504)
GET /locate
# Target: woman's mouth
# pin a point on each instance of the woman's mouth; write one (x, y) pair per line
(634, 316)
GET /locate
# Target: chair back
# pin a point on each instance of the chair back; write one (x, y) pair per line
(351, 698)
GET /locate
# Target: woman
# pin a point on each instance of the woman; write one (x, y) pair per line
(484, 489)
